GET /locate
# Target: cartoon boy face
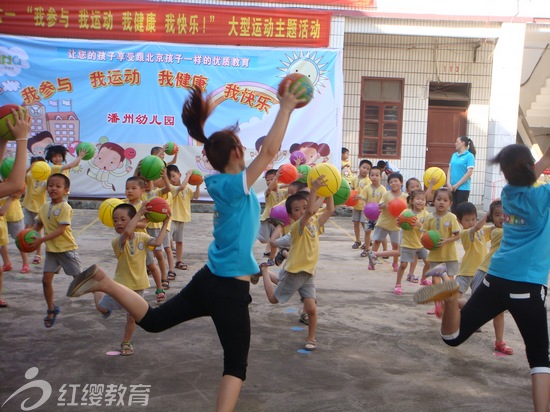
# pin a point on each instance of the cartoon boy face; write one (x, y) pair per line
(107, 159)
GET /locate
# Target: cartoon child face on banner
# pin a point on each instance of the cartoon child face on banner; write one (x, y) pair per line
(110, 160)
(312, 151)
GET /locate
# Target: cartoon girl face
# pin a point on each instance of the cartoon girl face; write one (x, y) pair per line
(39, 148)
(311, 155)
(107, 159)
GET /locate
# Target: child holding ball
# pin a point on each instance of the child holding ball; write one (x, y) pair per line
(231, 260)
(517, 277)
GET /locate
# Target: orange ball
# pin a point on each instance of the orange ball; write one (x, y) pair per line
(396, 206)
(289, 173)
(351, 199)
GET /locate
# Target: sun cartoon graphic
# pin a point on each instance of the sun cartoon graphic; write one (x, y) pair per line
(307, 64)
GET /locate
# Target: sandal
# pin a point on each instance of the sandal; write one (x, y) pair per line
(171, 275)
(25, 269)
(180, 265)
(356, 245)
(36, 259)
(3, 304)
(165, 284)
(364, 253)
(502, 348)
(161, 296)
(411, 278)
(310, 345)
(126, 349)
(280, 257)
(7, 267)
(397, 290)
(49, 322)
(303, 318)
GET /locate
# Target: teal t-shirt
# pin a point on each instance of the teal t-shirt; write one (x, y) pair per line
(460, 163)
(524, 253)
(236, 225)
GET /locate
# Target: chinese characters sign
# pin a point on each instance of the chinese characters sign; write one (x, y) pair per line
(166, 22)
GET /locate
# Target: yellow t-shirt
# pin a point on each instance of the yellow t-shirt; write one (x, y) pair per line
(15, 212)
(137, 206)
(386, 220)
(181, 203)
(447, 226)
(304, 247)
(130, 270)
(496, 238)
(372, 194)
(358, 184)
(475, 250)
(4, 240)
(35, 194)
(59, 169)
(411, 238)
(271, 200)
(53, 215)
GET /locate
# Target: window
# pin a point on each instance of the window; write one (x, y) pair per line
(381, 117)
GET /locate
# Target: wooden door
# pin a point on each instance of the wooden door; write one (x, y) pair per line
(445, 124)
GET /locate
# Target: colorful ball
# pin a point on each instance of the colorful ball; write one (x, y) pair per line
(88, 147)
(196, 178)
(280, 214)
(371, 211)
(151, 167)
(297, 155)
(396, 206)
(289, 173)
(6, 166)
(332, 178)
(342, 195)
(105, 212)
(171, 148)
(5, 114)
(352, 201)
(157, 210)
(25, 239)
(430, 239)
(437, 173)
(298, 81)
(41, 170)
(304, 171)
(406, 220)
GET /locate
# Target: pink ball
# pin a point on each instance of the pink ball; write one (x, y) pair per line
(371, 211)
(279, 213)
(294, 156)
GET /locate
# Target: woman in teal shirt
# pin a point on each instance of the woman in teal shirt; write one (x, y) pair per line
(461, 169)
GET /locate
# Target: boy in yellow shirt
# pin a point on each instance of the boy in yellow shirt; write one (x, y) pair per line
(14, 221)
(130, 249)
(357, 217)
(299, 270)
(371, 193)
(181, 210)
(55, 217)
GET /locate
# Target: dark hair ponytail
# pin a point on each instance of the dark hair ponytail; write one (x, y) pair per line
(469, 144)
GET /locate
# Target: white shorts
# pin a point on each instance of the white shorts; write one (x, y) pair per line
(408, 255)
(177, 231)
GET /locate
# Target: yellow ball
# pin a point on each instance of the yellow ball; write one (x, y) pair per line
(105, 212)
(437, 173)
(41, 171)
(332, 178)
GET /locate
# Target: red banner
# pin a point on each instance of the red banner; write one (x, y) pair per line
(356, 4)
(166, 22)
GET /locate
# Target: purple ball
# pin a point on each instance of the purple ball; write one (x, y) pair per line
(294, 156)
(371, 211)
(279, 213)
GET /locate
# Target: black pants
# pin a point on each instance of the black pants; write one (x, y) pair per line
(225, 300)
(459, 196)
(527, 304)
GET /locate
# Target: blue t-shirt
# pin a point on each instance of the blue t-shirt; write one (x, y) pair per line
(236, 225)
(524, 253)
(460, 163)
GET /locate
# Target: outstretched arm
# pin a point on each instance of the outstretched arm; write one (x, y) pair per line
(20, 130)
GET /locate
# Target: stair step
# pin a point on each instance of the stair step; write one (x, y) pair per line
(548, 82)
(545, 90)
(543, 98)
(538, 120)
(540, 105)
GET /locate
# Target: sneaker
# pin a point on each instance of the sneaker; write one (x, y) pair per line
(395, 266)
(83, 282)
(397, 290)
(439, 270)
(426, 282)
(441, 291)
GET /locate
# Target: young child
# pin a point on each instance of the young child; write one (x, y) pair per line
(273, 196)
(221, 288)
(161, 152)
(357, 217)
(14, 220)
(299, 270)
(35, 196)
(445, 256)
(56, 155)
(61, 249)
(386, 223)
(181, 209)
(130, 250)
(517, 277)
(135, 187)
(345, 168)
(495, 216)
(371, 193)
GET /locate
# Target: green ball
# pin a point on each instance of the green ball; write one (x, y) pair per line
(6, 166)
(342, 194)
(88, 148)
(151, 167)
(406, 225)
(304, 171)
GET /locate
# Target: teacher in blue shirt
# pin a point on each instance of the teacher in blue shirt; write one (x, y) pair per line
(461, 169)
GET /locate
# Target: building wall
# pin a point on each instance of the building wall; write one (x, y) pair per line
(419, 60)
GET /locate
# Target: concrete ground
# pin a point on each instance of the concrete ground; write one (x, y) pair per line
(376, 351)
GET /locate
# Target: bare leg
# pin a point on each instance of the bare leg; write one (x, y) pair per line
(228, 393)
(161, 263)
(400, 273)
(498, 324)
(357, 231)
(156, 275)
(450, 322)
(311, 310)
(129, 329)
(540, 387)
(170, 258)
(5, 255)
(413, 265)
(268, 285)
(47, 286)
(179, 251)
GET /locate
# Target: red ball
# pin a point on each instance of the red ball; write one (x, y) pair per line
(24, 240)
(298, 81)
(157, 210)
(396, 206)
(351, 199)
(430, 239)
(289, 173)
(196, 178)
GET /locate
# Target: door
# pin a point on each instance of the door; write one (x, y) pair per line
(445, 124)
